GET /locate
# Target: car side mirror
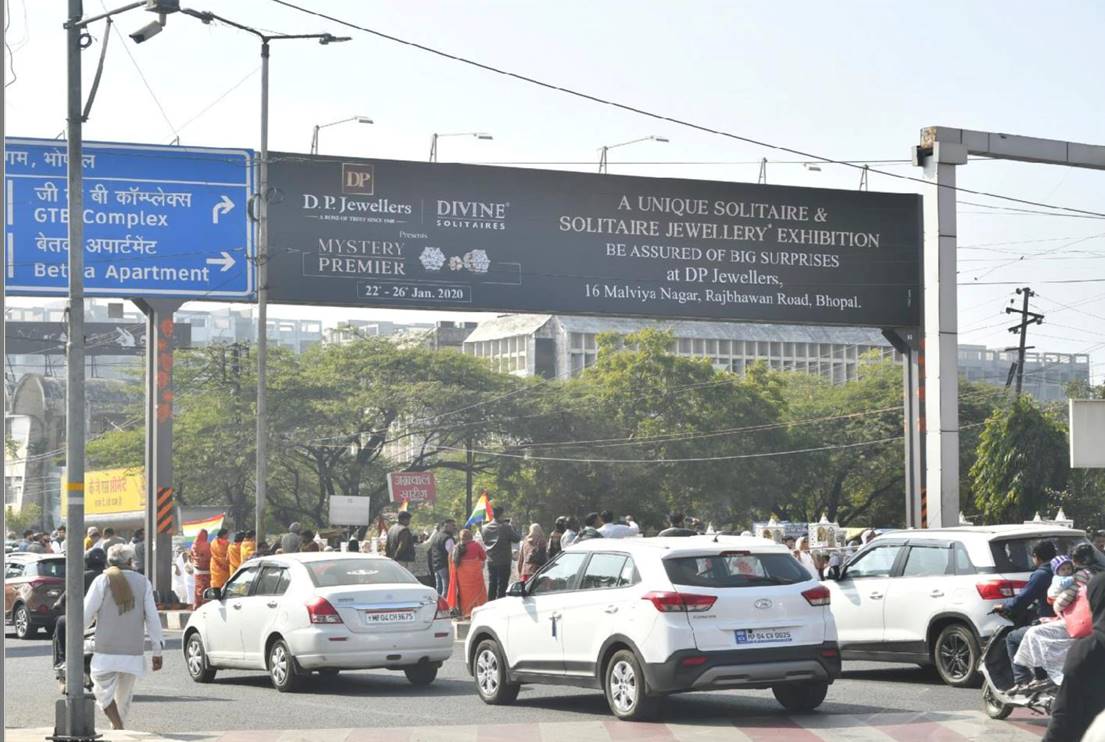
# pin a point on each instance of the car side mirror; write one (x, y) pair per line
(517, 590)
(212, 593)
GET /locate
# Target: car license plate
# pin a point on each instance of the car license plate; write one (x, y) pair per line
(380, 617)
(763, 636)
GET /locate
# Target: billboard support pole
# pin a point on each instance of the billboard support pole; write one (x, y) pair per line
(908, 343)
(159, 437)
(941, 333)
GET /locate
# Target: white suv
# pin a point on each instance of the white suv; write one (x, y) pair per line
(926, 596)
(640, 618)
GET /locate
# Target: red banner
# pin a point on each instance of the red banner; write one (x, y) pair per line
(412, 486)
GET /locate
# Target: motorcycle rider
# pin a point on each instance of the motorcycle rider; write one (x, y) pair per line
(1017, 608)
(1082, 696)
(95, 561)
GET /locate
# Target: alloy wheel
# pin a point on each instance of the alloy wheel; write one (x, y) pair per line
(278, 663)
(22, 622)
(623, 686)
(955, 656)
(487, 672)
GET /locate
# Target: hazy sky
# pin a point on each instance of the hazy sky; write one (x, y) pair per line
(848, 80)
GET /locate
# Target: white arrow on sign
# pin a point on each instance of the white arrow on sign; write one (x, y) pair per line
(226, 261)
(222, 207)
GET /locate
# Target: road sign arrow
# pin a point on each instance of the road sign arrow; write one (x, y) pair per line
(226, 261)
(222, 207)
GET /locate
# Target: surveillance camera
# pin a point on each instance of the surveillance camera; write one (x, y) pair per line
(147, 32)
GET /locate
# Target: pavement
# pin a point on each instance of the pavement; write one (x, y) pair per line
(919, 727)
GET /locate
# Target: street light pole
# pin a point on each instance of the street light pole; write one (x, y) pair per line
(314, 133)
(74, 715)
(477, 134)
(263, 301)
(607, 147)
(263, 252)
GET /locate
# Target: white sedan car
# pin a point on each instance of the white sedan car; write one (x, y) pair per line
(291, 614)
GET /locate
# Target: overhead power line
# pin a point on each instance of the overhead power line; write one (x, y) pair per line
(672, 119)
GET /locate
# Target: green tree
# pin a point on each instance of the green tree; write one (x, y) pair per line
(29, 516)
(1022, 454)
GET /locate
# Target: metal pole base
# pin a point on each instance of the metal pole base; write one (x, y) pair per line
(75, 720)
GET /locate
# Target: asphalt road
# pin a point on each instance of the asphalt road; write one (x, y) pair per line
(169, 701)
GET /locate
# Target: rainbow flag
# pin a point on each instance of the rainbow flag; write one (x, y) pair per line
(482, 511)
(191, 528)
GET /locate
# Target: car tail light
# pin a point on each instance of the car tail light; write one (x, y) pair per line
(693, 661)
(443, 610)
(680, 602)
(819, 595)
(999, 589)
(43, 582)
(320, 611)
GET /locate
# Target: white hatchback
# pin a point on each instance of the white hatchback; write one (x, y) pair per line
(641, 618)
(291, 614)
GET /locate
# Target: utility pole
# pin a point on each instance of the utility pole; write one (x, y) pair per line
(74, 716)
(1027, 318)
(3, 356)
(469, 459)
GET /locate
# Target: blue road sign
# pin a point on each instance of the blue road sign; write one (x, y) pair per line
(158, 221)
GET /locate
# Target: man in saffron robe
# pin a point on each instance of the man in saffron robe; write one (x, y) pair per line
(234, 552)
(220, 559)
(201, 561)
(249, 546)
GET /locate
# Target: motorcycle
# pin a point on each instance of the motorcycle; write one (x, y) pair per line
(59, 660)
(997, 680)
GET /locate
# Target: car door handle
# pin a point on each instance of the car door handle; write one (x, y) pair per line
(236, 606)
(937, 594)
(875, 596)
(611, 609)
(272, 604)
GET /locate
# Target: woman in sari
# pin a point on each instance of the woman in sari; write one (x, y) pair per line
(467, 588)
(201, 563)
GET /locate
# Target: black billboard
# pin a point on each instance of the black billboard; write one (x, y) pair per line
(385, 233)
(101, 338)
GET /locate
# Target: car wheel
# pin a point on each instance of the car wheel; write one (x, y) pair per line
(955, 656)
(800, 696)
(196, 659)
(626, 688)
(283, 670)
(421, 674)
(21, 619)
(995, 709)
(489, 669)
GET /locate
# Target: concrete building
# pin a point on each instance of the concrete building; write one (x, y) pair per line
(559, 346)
(1046, 375)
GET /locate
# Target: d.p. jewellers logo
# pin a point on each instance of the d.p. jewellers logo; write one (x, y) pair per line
(357, 179)
(482, 215)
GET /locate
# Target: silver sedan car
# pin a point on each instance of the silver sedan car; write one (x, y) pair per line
(292, 614)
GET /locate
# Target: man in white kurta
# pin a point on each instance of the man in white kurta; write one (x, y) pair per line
(121, 604)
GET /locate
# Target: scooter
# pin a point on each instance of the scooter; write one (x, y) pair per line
(997, 674)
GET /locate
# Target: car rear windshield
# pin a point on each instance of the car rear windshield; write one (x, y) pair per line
(1015, 554)
(736, 570)
(51, 568)
(341, 572)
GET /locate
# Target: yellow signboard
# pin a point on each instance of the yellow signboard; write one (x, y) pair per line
(110, 491)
